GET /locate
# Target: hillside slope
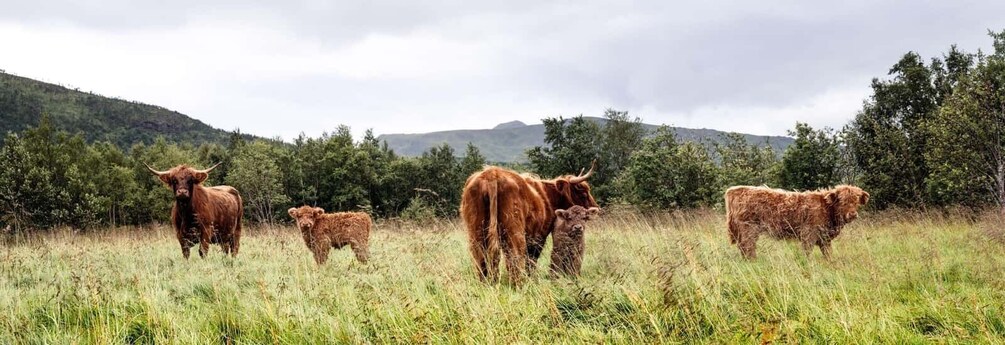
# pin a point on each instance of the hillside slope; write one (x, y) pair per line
(507, 142)
(24, 100)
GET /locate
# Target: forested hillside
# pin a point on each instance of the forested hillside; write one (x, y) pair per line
(24, 100)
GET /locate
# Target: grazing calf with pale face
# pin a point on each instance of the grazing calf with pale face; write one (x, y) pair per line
(324, 231)
(568, 239)
(813, 218)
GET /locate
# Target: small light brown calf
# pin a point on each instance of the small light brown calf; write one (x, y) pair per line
(814, 218)
(324, 231)
(568, 242)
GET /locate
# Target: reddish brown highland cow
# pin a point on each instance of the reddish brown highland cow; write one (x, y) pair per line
(201, 214)
(568, 241)
(502, 208)
(324, 231)
(813, 218)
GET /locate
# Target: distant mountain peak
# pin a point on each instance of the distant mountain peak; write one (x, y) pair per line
(509, 142)
(510, 125)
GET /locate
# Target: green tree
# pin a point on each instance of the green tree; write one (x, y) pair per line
(118, 190)
(620, 136)
(848, 171)
(887, 139)
(16, 176)
(257, 176)
(441, 179)
(743, 163)
(473, 161)
(665, 174)
(811, 161)
(967, 150)
(571, 145)
(45, 184)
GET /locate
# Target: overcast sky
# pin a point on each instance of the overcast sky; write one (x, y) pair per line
(275, 69)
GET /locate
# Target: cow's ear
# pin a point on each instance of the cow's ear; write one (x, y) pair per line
(592, 212)
(562, 185)
(318, 211)
(832, 198)
(561, 213)
(200, 176)
(293, 212)
(166, 178)
(864, 198)
(564, 188)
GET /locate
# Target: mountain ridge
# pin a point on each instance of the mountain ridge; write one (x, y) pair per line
(23, 101)
(508, 142)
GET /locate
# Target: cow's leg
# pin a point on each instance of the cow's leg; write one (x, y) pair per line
(825, 249)
(807, 247)
(224, 244)
(185, 247)
(514, 247)
(478, 244)
(317, 255)
(534, 249)
(235, 242)
(205, 237)
(361, 251)
(577, 265)
(321, 254)
(236, 235)
(748, 241)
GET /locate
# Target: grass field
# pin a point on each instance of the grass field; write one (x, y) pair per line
(894, 278)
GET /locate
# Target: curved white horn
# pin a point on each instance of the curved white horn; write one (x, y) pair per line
(581, 177)
(154, 171)
(207, 170)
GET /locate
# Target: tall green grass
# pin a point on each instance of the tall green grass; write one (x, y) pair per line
(671, 278)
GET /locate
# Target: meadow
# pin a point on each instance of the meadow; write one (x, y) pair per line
(670, 278)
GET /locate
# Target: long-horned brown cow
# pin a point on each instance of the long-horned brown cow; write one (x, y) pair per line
(813, 218)
(514, 212)
(202, 214)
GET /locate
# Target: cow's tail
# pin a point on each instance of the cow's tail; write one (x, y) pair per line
(492, 251)
(734, 228)
(240, 214)
(235, 238)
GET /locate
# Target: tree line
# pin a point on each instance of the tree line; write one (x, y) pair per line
(930, 135)
(51, 178)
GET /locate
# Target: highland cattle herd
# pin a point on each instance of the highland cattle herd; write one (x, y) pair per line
(510, 214)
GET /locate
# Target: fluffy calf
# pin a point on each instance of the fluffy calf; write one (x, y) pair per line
(202, 214)
(568, 243)
(813, 218)
(324, 231)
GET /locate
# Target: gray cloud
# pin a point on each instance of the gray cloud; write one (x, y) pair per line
(403, 66)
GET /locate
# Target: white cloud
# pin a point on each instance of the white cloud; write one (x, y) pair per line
(274, 69)
(832, 108)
